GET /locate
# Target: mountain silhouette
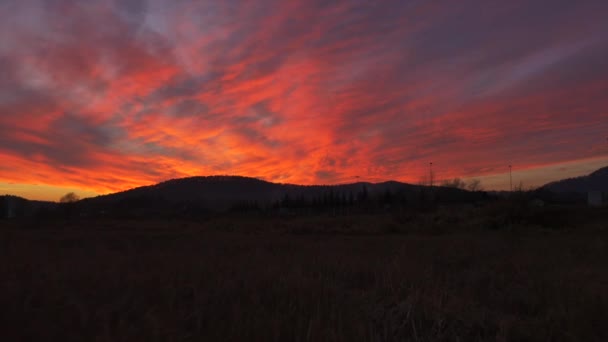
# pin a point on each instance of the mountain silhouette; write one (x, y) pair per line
(224, 192)
(221, 193)
(595, 181)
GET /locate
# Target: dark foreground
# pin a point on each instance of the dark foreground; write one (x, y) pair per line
(306, 279)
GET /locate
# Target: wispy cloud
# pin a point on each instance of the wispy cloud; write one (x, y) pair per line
(105, 95)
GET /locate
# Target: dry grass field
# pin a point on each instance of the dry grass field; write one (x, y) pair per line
(368, 278)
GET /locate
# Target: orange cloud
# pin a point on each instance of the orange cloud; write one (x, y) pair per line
(103, 96)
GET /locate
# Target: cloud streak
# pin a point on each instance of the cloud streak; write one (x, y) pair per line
(107, 95)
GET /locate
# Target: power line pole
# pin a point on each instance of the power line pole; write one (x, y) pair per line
(431, 173)
(511, 176)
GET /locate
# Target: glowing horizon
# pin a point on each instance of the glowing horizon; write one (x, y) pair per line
(103, 96)
(527, 179)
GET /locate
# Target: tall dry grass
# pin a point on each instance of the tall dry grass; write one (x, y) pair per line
(290, 280)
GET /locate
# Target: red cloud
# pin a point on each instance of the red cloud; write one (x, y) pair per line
(104, 99)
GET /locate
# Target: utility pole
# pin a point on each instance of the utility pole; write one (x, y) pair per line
(511, 176)
(431, 173)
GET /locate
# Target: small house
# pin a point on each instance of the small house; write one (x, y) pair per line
(537, 202)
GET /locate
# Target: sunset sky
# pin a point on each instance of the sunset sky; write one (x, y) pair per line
(102, 96)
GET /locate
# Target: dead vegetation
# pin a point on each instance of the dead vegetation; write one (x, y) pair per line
(438, 276)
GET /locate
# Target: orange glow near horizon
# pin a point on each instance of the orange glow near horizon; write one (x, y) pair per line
(104, 96)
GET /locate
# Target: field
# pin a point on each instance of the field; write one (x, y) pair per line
(435, 277)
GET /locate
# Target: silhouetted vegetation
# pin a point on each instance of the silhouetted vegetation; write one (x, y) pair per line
(205, 197)
(452, 273)
(275, 262)
(69, 198)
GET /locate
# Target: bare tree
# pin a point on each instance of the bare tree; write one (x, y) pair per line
(519, 188)
(474, 185)
(454, 183)
(69, 198)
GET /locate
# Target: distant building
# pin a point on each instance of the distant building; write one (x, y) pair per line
(594, 198)
(537, 202)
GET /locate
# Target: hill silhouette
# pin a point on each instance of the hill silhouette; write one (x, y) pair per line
(14, 206)
(595, 181)
(221, 193)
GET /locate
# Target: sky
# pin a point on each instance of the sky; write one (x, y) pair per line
(103, 96)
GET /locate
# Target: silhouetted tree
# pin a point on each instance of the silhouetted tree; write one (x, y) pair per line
(69, 198)
(456, 183)
(286, 202)
(387, 198)
(363, 195)
(474, 185)
(68, 202)
(351, 199)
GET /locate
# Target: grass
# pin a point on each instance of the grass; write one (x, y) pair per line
(383, 278)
